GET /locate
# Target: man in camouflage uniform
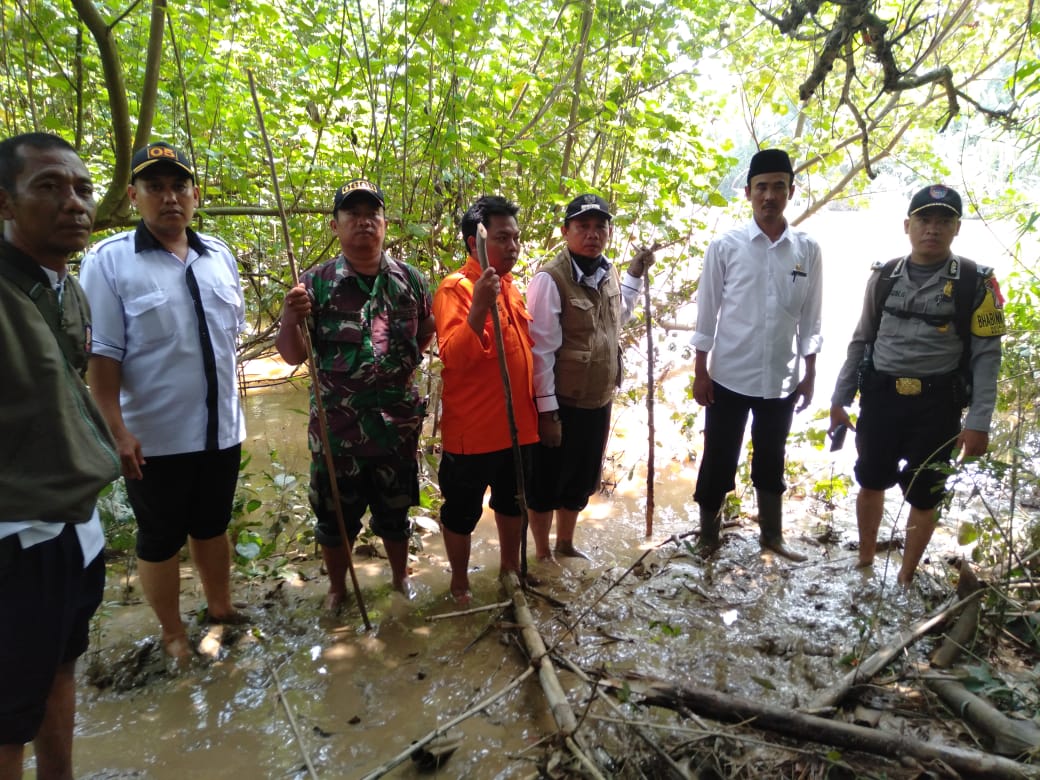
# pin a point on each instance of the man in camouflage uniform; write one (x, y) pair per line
(370, 319)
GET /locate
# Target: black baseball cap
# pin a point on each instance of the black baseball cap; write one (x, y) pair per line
(159, 152)
(937, 195)
(587, 204)
(357, 188)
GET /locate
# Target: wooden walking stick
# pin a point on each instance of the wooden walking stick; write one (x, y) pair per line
(649, 405)
(312, 366)
(518, 465)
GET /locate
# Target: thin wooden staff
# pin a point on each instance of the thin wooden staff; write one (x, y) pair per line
(518, 465)
(312, 366)
(650, 385)
(649, 403)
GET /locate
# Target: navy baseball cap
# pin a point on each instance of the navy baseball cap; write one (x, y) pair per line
(935, 196)
(357, 188)
(159, 153)
(587, 204)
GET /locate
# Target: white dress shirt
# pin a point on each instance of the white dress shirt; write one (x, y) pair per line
(759, 304)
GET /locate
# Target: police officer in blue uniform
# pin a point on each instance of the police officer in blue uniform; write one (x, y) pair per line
(918, 359)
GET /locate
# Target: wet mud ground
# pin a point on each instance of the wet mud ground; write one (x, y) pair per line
(747, 623)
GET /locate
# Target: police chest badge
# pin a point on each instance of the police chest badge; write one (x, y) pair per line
(988, 318)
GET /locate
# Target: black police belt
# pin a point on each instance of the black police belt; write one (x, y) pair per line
(944, 384)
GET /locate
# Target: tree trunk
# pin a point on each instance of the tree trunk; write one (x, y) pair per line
(797, 725)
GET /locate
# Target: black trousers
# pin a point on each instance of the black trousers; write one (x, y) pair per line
(724, 426)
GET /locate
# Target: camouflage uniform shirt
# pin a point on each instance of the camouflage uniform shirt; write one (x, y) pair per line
(364, 335)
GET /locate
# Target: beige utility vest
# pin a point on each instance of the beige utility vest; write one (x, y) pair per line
(588, 363)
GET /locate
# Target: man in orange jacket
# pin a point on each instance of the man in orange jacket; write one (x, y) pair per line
(476, 438)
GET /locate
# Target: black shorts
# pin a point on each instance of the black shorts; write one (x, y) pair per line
(180, 496)
(906, 440)
(465, 478)
(47, 600)
(387, 485)
(564, 477)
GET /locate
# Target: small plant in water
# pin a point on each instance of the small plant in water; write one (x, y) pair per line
(271, 518)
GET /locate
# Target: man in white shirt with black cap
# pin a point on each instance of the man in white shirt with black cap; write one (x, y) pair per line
(758, 321)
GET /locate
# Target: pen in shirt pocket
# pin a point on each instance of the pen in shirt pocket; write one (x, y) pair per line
(796, 273)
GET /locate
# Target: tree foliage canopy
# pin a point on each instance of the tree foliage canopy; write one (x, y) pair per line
(655, 105)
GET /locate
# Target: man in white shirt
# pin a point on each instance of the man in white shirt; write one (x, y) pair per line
(758, 318)
(56, 453)
(169, 308)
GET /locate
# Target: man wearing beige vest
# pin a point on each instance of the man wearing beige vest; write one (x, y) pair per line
(578, 303)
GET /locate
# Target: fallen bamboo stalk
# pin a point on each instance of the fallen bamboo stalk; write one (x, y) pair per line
(560, 707)
(967, 624)
(1009, 737)
(676, 770)
(881, 658)
(582, 759)
(405, 754)
(472, 611)
(558, 704)
(798, 725)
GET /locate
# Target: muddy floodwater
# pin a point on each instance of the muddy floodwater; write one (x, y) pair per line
(747, 623)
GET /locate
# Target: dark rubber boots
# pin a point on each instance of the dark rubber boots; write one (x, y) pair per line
(771, 525)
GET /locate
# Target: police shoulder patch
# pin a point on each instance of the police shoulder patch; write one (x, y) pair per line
(988, 318)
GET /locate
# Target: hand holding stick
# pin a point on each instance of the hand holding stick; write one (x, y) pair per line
(518, 465)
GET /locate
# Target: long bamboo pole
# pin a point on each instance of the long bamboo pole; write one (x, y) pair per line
(518, 465)
(651, 435)
(312, 367)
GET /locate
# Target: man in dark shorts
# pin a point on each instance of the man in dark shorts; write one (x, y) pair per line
(168, 310)
(914, 377)
(475, 435)
(578, 303)
(370, 319)
(56, 453)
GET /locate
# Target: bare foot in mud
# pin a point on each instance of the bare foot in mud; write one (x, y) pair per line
(407, 589)
(178, 649)
(862, 564)
(233, 618)
(333, 603)
(568, 550)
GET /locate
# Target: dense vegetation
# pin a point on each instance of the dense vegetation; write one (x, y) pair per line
(655, 105)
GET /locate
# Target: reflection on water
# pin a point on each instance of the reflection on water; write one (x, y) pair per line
(276, 420)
